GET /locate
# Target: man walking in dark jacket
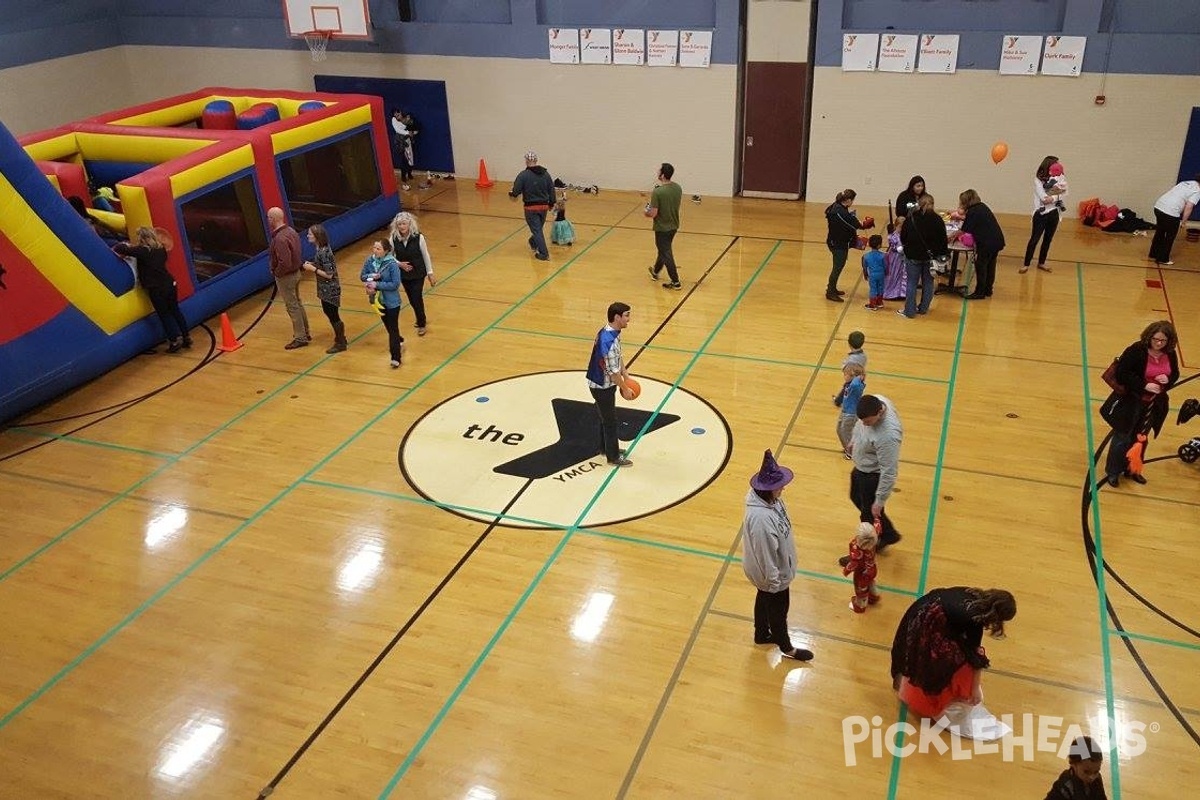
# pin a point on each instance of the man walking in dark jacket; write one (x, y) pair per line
(535, 187)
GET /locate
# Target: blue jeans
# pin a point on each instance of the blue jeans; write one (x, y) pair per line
(876, 285)
(918, 272)
(536, 220)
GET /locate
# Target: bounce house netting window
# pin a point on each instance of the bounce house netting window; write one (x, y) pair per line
(224, 227)
(327, 181)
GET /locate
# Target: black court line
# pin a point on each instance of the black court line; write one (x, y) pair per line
(661, 325)
(707, 607)
(1089, 546)
(383, 654)
(794, 240)
(300, 373)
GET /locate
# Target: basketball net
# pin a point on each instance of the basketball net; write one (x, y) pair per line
(318, 41)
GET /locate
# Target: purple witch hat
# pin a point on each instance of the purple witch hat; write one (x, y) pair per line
(770, 476)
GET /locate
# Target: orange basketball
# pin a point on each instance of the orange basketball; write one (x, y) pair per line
(632, 389)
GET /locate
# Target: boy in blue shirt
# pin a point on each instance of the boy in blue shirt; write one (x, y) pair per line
(874, 265)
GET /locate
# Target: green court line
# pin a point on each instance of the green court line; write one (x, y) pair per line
(551, 527)
(730, 356)
(436, 723)
(824, 576)
(171, 584)
(175, 459)
(1098, 538)
(934, 495)
(1155, 639)
(62, 437)
(424, 501)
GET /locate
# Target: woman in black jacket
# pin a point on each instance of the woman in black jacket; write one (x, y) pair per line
(843, 230)
(1146, 371)
(907, 200)
(980, 222)
(923, 235)
(151, 257)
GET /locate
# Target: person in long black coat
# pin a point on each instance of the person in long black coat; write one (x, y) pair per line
(1146, 371)
(981, 223)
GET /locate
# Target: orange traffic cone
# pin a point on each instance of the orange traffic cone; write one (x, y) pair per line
(484, 181)
(229, 341)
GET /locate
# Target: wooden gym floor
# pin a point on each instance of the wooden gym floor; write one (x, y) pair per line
(217, 579)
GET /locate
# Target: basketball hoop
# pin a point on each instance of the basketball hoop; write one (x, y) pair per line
(318, 41)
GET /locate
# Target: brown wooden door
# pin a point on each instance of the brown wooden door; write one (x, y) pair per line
(774, 131)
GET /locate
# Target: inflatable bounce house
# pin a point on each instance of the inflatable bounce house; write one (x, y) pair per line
(204, 168)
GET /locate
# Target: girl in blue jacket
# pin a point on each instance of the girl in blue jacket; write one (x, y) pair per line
(381, 274)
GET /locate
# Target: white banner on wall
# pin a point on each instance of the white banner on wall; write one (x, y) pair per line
(1019, 55)
(939, 53)
(564, 45)
(629, 46)
(859, 51)
(695, 48)
(1063, 55)
(898, 52)
(662, 48)
(595, 45)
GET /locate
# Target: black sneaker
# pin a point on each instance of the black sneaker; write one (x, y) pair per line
(621, 462)
(834, 297)
(676, 285)
(799, 654)
(653, 274)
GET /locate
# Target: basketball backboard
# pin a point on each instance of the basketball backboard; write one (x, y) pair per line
(344, 19)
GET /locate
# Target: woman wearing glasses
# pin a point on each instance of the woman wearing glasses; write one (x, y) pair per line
(1146, 371)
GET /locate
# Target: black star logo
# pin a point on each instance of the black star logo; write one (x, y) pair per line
(2, 271)
(579, 438)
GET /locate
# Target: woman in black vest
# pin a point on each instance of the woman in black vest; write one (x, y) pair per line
(409, 248)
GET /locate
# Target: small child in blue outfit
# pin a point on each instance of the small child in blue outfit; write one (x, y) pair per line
(874, 265)
(847, 401)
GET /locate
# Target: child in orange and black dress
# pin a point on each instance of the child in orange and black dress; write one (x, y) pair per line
(562, 232)
(895, 284)
(862, 565)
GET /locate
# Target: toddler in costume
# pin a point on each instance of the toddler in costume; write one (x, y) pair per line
(1056, 184)
(862, 566)
(874, 265)
(847, 401)
(562, 232)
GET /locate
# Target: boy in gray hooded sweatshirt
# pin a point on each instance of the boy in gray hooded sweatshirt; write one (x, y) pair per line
(769, 556)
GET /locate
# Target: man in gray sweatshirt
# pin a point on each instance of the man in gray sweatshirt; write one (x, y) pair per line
(875, 450)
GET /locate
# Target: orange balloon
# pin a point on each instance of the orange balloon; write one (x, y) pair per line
(999, 152)
(632, 389)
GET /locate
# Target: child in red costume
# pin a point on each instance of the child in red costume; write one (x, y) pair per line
(862, 565)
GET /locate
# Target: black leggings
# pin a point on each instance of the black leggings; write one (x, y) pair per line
(770, 618)
(166, 305)
(391, 321)
(1165, 229)
(331, 311)
(416, 298)
(1044, 226)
